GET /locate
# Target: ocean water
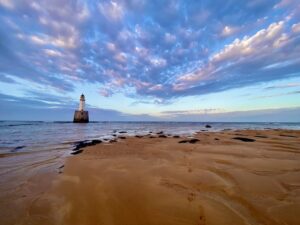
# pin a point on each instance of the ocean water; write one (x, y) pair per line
(28, 136)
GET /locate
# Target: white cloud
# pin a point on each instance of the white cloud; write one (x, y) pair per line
(296, 28)
(284, 3)
(60, 41)
(111, 10)
(264, 42)
(228, 30)
(121, 57)
(158, 62)
(7, 4)
(142, 52)
(157, 87)
(39, 40)
(84, 13)
(53, 53)
(111, 46)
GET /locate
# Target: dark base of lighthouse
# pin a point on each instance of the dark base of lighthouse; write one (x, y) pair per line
(81, 117)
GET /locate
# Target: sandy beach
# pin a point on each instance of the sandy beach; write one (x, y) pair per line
(211, 178)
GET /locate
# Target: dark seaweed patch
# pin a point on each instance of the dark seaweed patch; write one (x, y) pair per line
(244, 139)
(191, 141)
(162, 136)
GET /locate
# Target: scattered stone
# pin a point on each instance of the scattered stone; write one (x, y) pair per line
(150, 132)
(183, 141)
(217, 139)
(208, 126)
(94, 142)
(204, 130)
(139, 136)
(18, 148)
(194, 140)
(122, 132)
(112, 141)
(244, 139)
(160, 132)
(152, 137)
(77, 152)
(176, 136)
(60, 169)
(82, 144)
(114, 135)
(122, 137)
(79, 145)
(162, 136)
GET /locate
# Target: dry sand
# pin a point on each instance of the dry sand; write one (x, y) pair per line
(158, 181)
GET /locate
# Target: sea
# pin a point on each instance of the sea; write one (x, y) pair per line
(37, 136)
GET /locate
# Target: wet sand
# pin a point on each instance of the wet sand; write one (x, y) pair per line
(254, 179)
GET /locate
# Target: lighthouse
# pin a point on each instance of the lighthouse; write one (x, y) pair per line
(81, 116)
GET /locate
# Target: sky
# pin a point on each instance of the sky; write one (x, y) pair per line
(151, 60)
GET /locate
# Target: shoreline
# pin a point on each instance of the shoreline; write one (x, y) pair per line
(215, 179)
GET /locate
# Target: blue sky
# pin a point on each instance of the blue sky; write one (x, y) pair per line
(183, 60)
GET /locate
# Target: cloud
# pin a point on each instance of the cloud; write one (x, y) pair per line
(227, 31)
(287, 85)
(51, 52)
(7, 4)
(212, 115)
(191, 112)
(149, 49)
(111, 10)
(296, 27)
(246, 61)
(278, 95)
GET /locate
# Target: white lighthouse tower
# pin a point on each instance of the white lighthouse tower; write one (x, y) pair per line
(81, 116)
(82, 103)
